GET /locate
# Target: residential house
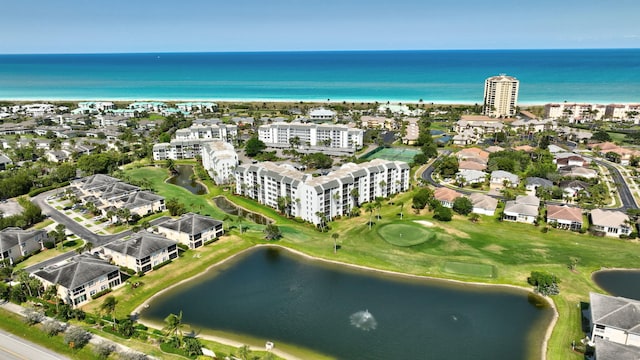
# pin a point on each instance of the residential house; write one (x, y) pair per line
(610, 222)
(58, 156)
(483, 204)
(192, 229)
(522, 209)
(321, 114)
(504, 178)
(446, 196)
(141, 252)
(565, 217)
(468, 177)
(4, 161)
(607, 350)
(471, 165)
(142, 203)
(494, 148)
(80, 277)
(615, 320)
(578, 172)
(533, 183)
(571, 187)
(564, 159)
(473, 154)
(16, 243)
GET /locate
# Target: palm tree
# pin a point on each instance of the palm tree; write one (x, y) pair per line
(174, 326)
(335, 237)
(323, 220)
(240, 220)
(378, 205)
(355, 193)
(109, 307)
(369, 207)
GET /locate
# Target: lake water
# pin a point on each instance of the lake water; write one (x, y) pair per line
(185, 179)
(270, 294)
(625, 283)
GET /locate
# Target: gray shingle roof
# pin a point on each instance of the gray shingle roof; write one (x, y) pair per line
(77, 271)
(608, 350)
(11, 237)
(536, 181)
(191, 223)
(617, 312)
(141, 245)
(523, 209)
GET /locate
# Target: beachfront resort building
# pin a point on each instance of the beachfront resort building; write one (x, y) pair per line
(500, 96)
(321, 198)
(312, 137)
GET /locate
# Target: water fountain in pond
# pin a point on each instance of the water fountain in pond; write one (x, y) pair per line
(363, 320)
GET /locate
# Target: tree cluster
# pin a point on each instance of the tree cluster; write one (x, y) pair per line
(317, 161)
(544, 283)
(21, 181)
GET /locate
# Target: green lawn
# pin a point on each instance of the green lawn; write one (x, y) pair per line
(512, 249)
(405, 234)
(469, 269)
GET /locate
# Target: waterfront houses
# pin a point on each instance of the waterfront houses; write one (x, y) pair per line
(315, 199)
(192, 229)
(564, 217)
(141, 252)
(16, 243)
(80, 277)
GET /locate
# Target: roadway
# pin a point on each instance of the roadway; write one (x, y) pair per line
(13, 347)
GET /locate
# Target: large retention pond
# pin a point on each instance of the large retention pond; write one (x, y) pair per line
(272, 294)
(185, 178)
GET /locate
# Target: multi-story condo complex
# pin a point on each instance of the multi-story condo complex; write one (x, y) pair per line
(208, 131)
(500, 96)
(622, 111)
(315, 199)
(574, 111)
(311, 136)
(219, 158)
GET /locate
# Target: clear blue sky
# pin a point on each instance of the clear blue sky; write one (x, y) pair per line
(87, 26)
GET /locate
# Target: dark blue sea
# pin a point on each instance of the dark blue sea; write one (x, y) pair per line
(602, 76)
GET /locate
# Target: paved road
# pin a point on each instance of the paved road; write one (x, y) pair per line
(628, 202)
(13, 347)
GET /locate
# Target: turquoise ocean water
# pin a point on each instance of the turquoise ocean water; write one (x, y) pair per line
(603, 76)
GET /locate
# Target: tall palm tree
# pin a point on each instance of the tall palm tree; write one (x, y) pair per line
(335, 237)
(369, 207)
(174, 326)
(109, 307)
(378, 205)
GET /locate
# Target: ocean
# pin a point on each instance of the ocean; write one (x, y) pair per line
(599, 76)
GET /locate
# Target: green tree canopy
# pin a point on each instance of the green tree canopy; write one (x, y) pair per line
(462, 205)
(254, 146)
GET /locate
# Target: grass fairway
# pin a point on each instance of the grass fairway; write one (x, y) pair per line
(404, 234)
(469, 269)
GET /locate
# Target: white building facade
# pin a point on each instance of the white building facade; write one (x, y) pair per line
(314, 198)
(500, 96)
(339, 137)
(220, 160)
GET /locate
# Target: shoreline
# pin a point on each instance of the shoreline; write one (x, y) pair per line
(313, 101)
(231, 342)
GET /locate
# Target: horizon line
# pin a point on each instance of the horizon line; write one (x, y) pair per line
(308, 51)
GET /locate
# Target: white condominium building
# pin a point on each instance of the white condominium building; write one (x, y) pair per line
(312, 198)
(574, 111)
(220, 159)
(500, 96)
(335, 137)
(221, 132)
(178, 149)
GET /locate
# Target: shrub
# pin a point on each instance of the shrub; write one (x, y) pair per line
(52, 327)
(33, 316)
(127, 270)
(130, 355)
(161, 264)
(76, 337)
(183, 247)
(49, 244)
(103, 349)
(98, 294)
(90, 320)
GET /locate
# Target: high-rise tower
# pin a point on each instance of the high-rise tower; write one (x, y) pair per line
(500, 96)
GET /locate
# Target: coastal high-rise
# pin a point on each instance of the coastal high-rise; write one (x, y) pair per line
(500, 96)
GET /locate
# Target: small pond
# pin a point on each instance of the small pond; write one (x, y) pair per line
(186, 179)
(270, 294)
(625, 283)
(231, 208)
